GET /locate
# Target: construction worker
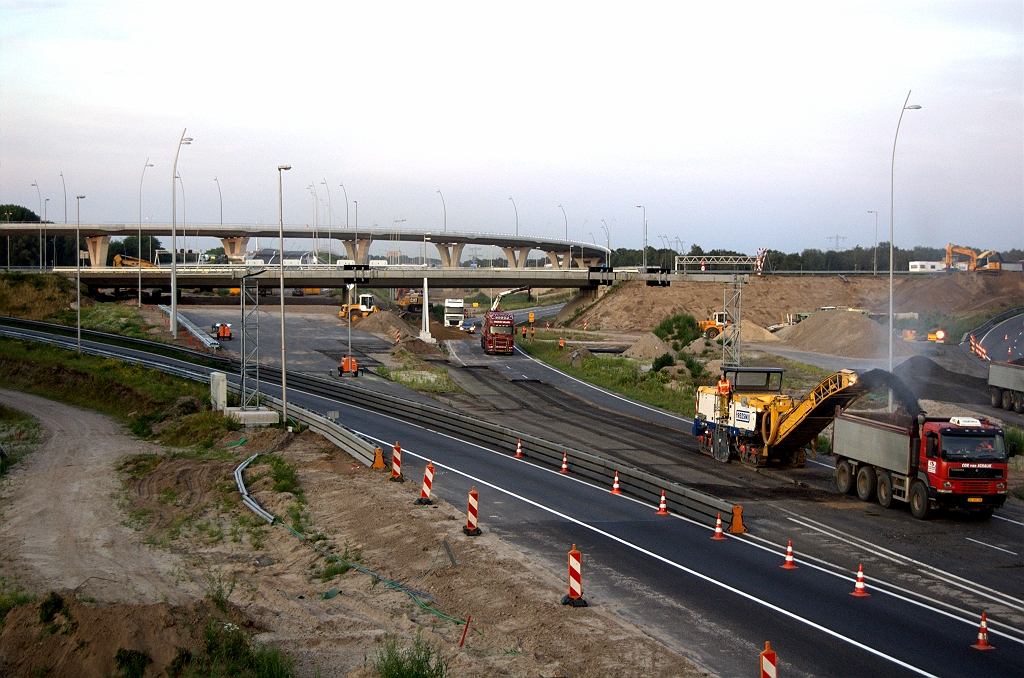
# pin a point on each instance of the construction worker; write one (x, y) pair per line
(724, 387)
(561, 342)
(533, 331)
(524, 334)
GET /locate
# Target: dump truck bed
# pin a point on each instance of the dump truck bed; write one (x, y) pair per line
(872, 442)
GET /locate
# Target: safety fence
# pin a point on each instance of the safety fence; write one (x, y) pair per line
(201, 336)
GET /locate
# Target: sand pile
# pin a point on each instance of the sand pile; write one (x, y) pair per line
(385, 324)
(420, 347)
(843, 333)
(750, 331)
(927, 379)
(648, 347)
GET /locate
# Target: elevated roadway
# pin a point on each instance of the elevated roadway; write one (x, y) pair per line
(563, 254)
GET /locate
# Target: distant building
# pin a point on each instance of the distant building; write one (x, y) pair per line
(927, 266)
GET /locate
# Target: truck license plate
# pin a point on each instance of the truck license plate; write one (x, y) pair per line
(974, 499)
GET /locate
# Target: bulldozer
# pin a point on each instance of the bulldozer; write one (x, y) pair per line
(366, 306)
(715, 326)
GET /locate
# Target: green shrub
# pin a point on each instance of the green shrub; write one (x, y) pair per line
(695, 366)
(681, 329)
(131, 663)
(421, 660)
(333, 569)
(284, 476)
(10, 599)
(227, 651)
(662, 361)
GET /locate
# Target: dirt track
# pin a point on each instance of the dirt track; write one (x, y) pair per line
(61, 524)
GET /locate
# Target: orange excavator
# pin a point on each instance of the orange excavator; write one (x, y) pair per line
(989, 260)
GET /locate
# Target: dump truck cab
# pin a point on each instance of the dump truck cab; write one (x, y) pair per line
(964, 460)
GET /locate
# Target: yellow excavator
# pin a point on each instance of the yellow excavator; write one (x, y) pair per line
(989, 260)
(747, 416)
(124, 261)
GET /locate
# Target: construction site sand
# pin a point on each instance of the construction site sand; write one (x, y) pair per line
(843, 333)
(750, 331)
(766, 299)
(385, 324)
(512, 597)
(648, 347)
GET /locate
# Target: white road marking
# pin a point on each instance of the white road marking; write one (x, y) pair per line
(820, 464)
(1015, 522)
(1012, 553)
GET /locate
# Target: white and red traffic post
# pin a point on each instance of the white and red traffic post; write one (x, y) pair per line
(472, 528)
(428, 484)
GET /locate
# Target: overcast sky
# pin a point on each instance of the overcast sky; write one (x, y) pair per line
(737, 124)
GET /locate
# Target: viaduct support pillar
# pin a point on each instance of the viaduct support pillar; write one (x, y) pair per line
(450, 253)
(98, 246)
(516, 256)
(234, 248)
(359, 250)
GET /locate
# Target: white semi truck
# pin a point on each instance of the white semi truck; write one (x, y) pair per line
(454, 312)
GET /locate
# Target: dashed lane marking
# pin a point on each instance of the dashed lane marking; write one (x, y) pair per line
(1012, 553)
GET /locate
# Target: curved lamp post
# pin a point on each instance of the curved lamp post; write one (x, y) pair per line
(517, 215)
(140, 228)
(183, 141)
(41, 245)
(445, 208)
(607, 242)
(330, 222)
(220, 197)
(568, 264)
(78, 267)
(641, 207)
(892, 193)
(874, 267)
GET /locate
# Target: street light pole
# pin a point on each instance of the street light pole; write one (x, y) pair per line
(78, 268)
(46, 204)
(40, 195)
(445, 208)
(355, 245)
(220, 197)
(645, 235)
(183, 141)
(607, 243)
(875, 264)
(355, 232)
(517, 215)
(280, 233)
(892, 194)
(140, 228)
(568, 264)
(330, 221)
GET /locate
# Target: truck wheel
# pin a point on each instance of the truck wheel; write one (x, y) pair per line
(711, 333)
(995, 397)
(1007, 400)
(844, 477)
(884, 489)
(1018, 402)
(919, 501)
(867, 483)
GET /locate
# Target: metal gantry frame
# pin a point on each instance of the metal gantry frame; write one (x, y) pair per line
(732, 305)
(250, 349)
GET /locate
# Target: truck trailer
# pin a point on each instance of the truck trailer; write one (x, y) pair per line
(927, 462)
(1006, 386)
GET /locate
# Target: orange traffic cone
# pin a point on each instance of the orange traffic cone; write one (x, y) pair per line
(565, 463)
(859, 590)
(789, 564)
(982, 643)
(519, 449)
(615, 484)
(718, 536)
(663, 507)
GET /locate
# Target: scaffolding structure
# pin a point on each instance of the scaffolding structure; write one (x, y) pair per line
(250, 348)
(732, 305)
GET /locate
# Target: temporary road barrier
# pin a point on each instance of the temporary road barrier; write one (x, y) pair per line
(378, 459)
(768, 662)
(718, 536)
(982, 643)
(615, 484)
(396, 464)
(859, 589)
(575, 595)
(428, 483)
(472, 528)
(201, 336)
(789, 564)
(565, 463)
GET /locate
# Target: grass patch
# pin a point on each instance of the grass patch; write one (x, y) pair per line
(420, 660)
(20, 434)
(227, 651)
(11, 597)
(201, 428)
(619, 375)
(678, 330)
(34, 296)
(108, 317)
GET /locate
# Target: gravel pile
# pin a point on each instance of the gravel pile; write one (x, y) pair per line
(843, 333)
(648, 347)
(929, 380)
(385, 324)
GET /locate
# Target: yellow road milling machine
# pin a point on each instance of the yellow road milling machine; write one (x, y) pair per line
(747, 416)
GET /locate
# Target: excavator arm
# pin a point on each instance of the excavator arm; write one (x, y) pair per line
(496, 304)
(971, 255)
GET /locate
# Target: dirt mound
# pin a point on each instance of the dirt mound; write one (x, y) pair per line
(843, 333)
(927, 379)
(385, 324)
(419, 347)
(648, 347)
(34, 296)
(750, 331)
(766, 299)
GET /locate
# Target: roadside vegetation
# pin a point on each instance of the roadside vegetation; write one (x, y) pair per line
(20, 434)
(34, 296)
(417, 374)
(519, 300)
(109, 317)
(954, 324)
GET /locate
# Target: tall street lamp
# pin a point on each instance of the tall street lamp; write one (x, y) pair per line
(140, 229)
(46, 204)
(875, 264)
(40, 195)
(641, 207)
(892, 193)
(330, 221)
(78, 267)
(220, 197)
(183, 141)
(445, 208)
(517, 215)
(65, 206)
(568, 264)
(280, 233)
(355, 232)
(607, 243)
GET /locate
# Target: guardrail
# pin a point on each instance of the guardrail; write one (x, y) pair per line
(992, 322)
(201, 336)
(639, 483)
(253, 505)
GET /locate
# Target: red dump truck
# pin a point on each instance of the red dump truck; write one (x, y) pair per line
(927, 462)
(498, 334)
